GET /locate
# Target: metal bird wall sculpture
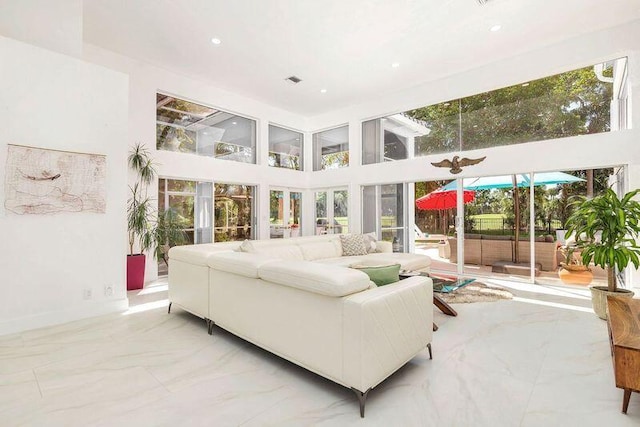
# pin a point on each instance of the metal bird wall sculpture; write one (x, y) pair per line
(456, 164)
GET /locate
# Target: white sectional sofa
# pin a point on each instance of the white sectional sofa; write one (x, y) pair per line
(296, 298)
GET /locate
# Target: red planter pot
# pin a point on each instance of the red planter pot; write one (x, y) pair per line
(135, 271)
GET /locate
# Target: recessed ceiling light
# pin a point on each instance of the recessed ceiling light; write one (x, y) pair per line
(395, 65)
(234, 123)
(216, 40)
(496, 28)
(323, 91)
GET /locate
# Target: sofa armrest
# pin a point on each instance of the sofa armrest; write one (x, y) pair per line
(384, 328)
(384, 246)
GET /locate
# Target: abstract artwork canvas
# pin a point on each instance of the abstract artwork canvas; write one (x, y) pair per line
(41, 181)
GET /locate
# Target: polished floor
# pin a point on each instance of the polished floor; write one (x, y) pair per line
(541, 359)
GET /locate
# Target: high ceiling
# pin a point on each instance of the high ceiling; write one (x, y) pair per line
(344, 46)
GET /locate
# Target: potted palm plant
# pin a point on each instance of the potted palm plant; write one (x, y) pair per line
(140, 216)
(606, 230)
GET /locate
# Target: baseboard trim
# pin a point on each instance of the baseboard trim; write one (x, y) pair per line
(83, 311)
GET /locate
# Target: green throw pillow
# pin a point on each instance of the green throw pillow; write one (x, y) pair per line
(381, 274)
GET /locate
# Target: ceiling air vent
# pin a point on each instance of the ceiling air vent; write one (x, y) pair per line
(293, 79)
(482, 2)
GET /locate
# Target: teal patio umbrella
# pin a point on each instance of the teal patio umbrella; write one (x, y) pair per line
(507, 181)
(514, 181)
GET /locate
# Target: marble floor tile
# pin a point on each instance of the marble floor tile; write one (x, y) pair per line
(539, 360)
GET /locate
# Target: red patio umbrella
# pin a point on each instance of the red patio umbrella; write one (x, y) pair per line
(442, 199)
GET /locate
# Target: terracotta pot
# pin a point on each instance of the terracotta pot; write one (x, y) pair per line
(575, 274)
(135, 271)
(599, 298)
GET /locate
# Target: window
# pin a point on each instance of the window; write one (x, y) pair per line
(390, 138)
(384, 212)
(191, 202)
(574, 103)
(179, 196)
(285, 213)
(234, 212)
(332, 211)
(285, 148)
(331, 149)
(188, 127)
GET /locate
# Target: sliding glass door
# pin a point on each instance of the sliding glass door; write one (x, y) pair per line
(512, 226)
(384, 212)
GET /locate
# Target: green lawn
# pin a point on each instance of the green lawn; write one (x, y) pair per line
(488, 216)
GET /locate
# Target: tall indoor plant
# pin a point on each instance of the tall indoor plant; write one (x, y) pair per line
(606, 230)
(140, 215)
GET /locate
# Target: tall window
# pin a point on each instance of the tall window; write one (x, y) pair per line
(331, 149)
(234, 212)
(191, 201)
(285, 148)
(390, 138)
(188, 127)
(574, 103)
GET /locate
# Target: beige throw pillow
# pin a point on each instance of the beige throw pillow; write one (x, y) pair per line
(353, 244)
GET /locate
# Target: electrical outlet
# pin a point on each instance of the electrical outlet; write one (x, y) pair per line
(108, 290)
(87, 293)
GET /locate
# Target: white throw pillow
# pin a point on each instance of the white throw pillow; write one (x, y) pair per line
(370, 240)
(247, 246)
(353, 244)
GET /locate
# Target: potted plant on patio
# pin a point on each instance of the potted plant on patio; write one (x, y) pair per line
(140, 215)
(606, 230)
(572, 271)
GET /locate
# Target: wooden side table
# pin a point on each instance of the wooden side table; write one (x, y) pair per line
(623, 321)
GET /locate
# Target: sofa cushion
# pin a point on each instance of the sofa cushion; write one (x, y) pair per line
(320, 250)
(380, 274)
(407, 261)
(286, 252)
(314, 277)
(345, 261)
(274, 249)
(353, 244)
(199, 254)
(240, 263)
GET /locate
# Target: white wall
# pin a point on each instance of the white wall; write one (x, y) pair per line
(53, 24)
(146, 80)
(49, 100)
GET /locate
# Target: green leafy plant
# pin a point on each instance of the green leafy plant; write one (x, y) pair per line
(140, 208)
(606, 229)
(169, 232)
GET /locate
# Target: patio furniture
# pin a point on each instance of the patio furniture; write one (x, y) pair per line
(483, 249)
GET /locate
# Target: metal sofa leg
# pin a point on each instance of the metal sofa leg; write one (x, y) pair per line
(430, 353)
(210, 324)
(362, 398)
(169, 309)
